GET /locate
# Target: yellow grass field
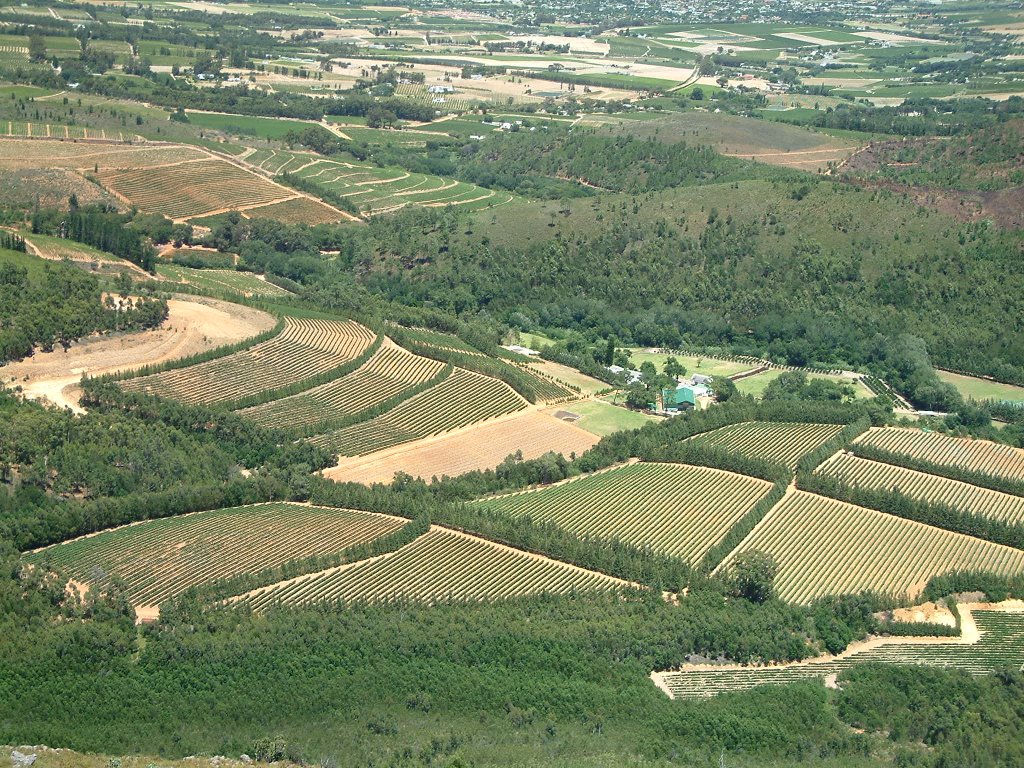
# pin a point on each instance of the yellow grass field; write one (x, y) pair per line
(476, 448)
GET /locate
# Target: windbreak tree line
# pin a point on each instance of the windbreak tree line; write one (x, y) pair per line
(101, 228)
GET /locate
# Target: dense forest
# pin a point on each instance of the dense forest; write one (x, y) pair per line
(57, 304)
(601, 243)
(531, 678)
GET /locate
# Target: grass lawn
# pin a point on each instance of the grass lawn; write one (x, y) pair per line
(602, 418)
(982, 389)
(58, 248)
(23, 91)
(534, 340)
(756, 385)
(33, 264)
(260, 127)
(587, 384)
(692, 364)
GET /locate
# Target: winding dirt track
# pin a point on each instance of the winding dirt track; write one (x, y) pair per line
(194, 324)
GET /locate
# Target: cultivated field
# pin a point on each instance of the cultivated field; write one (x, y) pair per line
(962, 452)
(600, 417)
(221, 280)
(391, 371)
(963, 497)
(482, 447)
(18, 129)
(587, 385)
(828, 547)
(773, 143)
(377, 190)
(24, 153)
(440, 340)
(181, 182)
(162, 558)
(775, 441)
(463, 398)
(303, 349)
(193, 325)
(190, 189)
(672, 509)
(297, 210)
(439, 565)
(982, 389)
(548, 389)
(1000, 646)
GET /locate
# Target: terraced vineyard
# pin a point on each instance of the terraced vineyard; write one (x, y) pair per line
(302, 350)
(673, 509)
(298, 210)
(192, 189)
(964, 497)
(828, 547)
(776, 441)
(440, 340)
(462, 399)
(439, 565)
(373, 189)
(158, 559)
(221, 280)
(389, 372)
(964, 453)
(1001, 646)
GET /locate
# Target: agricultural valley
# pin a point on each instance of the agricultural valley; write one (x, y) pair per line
(456, 384)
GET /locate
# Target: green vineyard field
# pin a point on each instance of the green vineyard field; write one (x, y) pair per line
(439, 340)
(964, 453)
(373, 189)
(463, 398)
(963, 497)
(439, 565)
(828, 547)
(298, 210)
(548, 390)
(162, 558)
(388, 373)
(673, 509)
(783, 442)
(304, 349)
(1001, 646)
(221, 280)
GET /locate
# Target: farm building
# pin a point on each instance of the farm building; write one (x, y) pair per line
(685, 395)
(521, 350)
(631, 375)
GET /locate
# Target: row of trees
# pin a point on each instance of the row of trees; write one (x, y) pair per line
(98, 226)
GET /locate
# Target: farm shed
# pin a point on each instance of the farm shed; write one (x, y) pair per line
(683, 394)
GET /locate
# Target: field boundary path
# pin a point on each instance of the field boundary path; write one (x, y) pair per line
(828, 666)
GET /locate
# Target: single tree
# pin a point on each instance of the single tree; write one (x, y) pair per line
(753, 576)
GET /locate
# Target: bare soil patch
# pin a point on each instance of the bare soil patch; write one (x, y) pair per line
(193, 325)
(932, 613)
(475, 448)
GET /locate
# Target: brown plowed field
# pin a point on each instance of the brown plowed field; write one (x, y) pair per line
(482, 447)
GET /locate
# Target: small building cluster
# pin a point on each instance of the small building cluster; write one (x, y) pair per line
(688, 393)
